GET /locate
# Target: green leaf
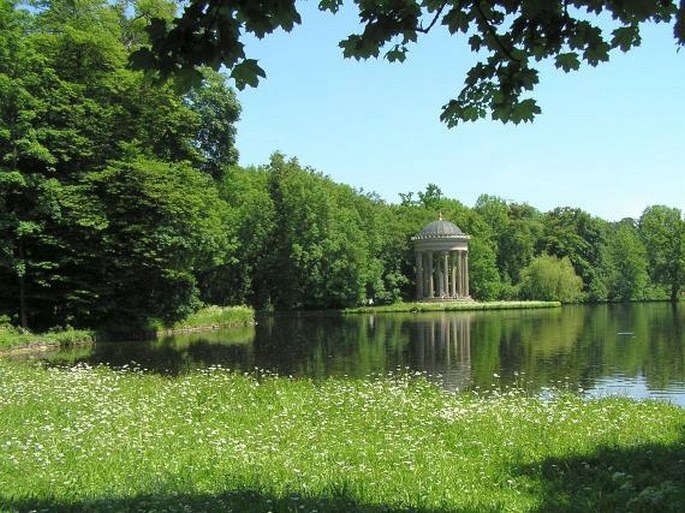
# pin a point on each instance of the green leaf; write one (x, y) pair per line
(247, 73)
(330, 5)
(626, 37)
(567, 61)
(397, 54)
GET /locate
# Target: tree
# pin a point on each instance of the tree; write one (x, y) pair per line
(551, 279)
(91, 154)
(573, 233)
(663, 231)
(516, 230)
(627, 263)
(319, 252)
(509, 35)
(218, 111)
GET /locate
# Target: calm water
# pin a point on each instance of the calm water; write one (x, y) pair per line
(635, 350)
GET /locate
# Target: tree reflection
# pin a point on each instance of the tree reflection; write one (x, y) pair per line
(605, 347)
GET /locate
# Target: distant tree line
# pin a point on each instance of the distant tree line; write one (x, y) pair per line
(121, 201)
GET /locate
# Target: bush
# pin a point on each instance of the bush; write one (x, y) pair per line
(551, 279)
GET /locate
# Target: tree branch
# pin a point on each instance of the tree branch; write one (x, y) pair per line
(435, 19)
(493, 33)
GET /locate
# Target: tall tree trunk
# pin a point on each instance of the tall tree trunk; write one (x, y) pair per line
(22, 289)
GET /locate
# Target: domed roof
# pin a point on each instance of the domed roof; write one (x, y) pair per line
(439, 229)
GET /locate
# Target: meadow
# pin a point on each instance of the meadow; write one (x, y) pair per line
(98, 439)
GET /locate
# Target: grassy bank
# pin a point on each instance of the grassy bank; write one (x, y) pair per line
(16, 339)
(94, 439)
(212, 317)
(454, 306)
(13, 338)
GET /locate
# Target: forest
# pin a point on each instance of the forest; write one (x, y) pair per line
(122, 201)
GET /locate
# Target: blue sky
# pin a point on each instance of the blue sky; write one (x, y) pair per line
(610, 139)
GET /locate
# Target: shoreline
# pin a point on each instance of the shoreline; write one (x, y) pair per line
(452, 306)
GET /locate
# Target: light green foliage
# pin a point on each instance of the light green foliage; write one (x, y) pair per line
(95, 439)
(663, 232)
(552, 279)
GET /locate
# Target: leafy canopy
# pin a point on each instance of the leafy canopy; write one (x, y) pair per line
(509, 36)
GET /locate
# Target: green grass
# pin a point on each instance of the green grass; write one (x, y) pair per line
(13, 338)
(214, 317)
(454, 306)
(95, 439)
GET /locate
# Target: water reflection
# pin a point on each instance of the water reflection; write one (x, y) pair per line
(629, 349)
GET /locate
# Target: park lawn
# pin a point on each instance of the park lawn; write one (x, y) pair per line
(97, 439)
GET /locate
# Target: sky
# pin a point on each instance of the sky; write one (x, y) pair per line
(610, 140)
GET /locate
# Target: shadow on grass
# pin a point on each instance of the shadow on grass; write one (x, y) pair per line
(646, 478)
(240, 501)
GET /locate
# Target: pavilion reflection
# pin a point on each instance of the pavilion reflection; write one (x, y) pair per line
(441, 347)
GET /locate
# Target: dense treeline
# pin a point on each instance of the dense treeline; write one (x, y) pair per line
(121, 201)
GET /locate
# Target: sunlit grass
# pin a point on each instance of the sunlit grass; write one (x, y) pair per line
(12, 337)
(96, 439)
(454, 306)
(216, 316)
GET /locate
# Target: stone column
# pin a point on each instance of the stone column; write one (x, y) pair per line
(466, 273)
(446, 276)
(419, 275)
(454, 275)
(431, 287)
(461, 273)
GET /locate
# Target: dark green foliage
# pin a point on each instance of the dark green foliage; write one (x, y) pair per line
(318, 248)
(510, 36)
(102, 219)
(218, 110)
(663, 232)
(153, 224)
(572, 233)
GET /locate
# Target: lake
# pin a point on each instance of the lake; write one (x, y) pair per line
(635, 349)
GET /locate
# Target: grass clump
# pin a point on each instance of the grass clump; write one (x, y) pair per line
(213, 317)
(96, 439)
(12, 337)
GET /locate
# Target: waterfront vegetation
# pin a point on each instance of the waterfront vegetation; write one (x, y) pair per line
(13, 337)
(212, 317)
(453, 306)
(97, 439)
(209, 317)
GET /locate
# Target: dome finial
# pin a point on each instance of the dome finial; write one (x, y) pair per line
(440, 215)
